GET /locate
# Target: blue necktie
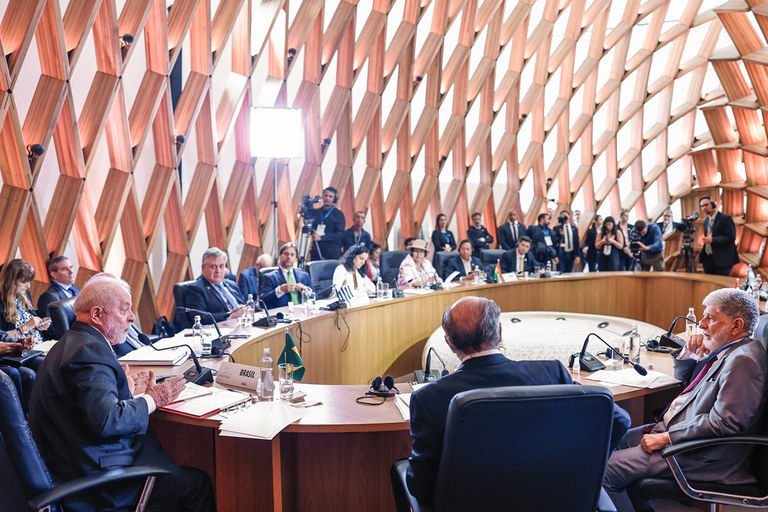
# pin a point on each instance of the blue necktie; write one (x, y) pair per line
(229, 299)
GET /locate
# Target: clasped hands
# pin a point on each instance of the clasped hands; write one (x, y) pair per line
(144, 382)
(289, 287)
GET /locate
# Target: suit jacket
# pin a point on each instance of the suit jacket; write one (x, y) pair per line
(506, 239)
(541, 251)
(560, 239)
(455, 265)
(349, 239)
(203, 296)
(248, 282)
(509, 262)
(438, 243)
(84, 418)
(474, 234)
(53, 293)
(724, 253)
(429, 408)
(275, 279)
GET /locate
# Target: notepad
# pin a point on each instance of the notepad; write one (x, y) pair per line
(207, 405)
(263, 420)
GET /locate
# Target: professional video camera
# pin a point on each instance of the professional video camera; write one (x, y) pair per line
(307, 203)
(687, 227)
(563, 219)
(634, 241)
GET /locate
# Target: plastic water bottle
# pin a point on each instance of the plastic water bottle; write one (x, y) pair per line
(379, 289)
(690, 322)
(197, 327)
(250, 309)
(634, 345)
(549, 268)
(198, 337)
(576, 365)
(206, 344)
(266, 386)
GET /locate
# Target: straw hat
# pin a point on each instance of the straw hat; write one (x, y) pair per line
(417, 244)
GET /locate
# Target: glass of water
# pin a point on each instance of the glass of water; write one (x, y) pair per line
(285, 375)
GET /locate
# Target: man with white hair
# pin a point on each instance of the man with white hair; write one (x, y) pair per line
(87, 414)
(725, 398)
(213, 292)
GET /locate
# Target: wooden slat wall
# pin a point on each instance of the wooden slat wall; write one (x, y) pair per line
(454, 104)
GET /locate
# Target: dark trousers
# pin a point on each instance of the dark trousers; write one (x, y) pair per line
(711, 268)
(652, 261)
(187, 489)
(565, 263)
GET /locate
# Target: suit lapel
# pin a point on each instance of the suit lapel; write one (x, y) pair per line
(213, 291)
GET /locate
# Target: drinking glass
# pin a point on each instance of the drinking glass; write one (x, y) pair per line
(285, 376)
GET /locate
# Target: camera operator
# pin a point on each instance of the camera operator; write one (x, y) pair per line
(645, 240)
(567, 235)
(329, 224)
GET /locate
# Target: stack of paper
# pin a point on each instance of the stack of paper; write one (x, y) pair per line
(262, 420)
(204, 406)
(403, 404)
(629, 377)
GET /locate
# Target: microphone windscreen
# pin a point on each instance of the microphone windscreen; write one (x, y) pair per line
(280, 315)
(444, 373)
(144, 339)
(641, 370)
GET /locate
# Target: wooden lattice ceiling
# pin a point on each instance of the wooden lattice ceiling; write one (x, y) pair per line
(411, 107)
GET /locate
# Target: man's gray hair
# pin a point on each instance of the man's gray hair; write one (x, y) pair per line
(214, 252)
(472, 322)
(100, 290)
(735, 303)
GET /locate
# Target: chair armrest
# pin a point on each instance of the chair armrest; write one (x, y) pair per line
(676, 449)
(64, 490)
(604, 502)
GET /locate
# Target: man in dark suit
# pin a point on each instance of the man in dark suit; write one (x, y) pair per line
(511, 231)
(718, 254)
(519, 260)
(726, 398)
(329, 224)
(213, 292)
(287, 282)
(567, 235)
(478, 235)
(464, 263)
(249, 278)
(62, 287)
(356, 234)
(85, 418)
(543, 240)
(473, 332)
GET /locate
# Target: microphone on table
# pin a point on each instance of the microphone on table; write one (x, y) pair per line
(198, 375)
(427, 374)
(268, 320)
(589, 363)
(672, 340)
(218, 344)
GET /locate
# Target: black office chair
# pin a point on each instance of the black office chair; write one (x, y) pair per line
(181, 320)
(679, 488)
(263, 272)
(489, 257)
(26, 483)
(441, 260)
(541, 448)
(390, 264)
(62, 313)
(321, 274)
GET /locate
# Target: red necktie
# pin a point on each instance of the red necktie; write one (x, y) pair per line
(700, 375)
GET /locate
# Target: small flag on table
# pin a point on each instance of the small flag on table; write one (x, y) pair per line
(497, 273)
(291, 356)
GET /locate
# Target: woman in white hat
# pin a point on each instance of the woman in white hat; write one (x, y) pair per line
(416, 271)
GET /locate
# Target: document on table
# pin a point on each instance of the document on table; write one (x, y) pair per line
(262, 420)
(417, 291)
(403, 404)
(629, 377)
(204, 406)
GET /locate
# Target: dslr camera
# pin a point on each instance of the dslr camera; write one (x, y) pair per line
(307, 203)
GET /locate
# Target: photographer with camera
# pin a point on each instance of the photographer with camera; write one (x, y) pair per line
(567, 236)
(328, 225)
(646, 246)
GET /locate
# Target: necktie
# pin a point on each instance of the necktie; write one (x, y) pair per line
(708, 231)
(568, 236)
(294, 294)
(700, 375)
(514, 233)
(520, 263)
(229, 299)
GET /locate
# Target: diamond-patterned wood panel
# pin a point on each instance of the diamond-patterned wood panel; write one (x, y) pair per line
(411, 107)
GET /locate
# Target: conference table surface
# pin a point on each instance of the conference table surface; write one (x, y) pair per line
(337, 457)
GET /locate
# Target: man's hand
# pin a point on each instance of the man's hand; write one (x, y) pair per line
(237, 311)
(706, 239)
(10, 348)
(315, 237)
(138, 381)
(654, 442)
(695, 346)
(165, 393)
(642, 246)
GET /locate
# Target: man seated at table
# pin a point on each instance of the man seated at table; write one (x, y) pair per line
(473, 332)
(62, 287)
(519, 260)
(463, 263)
(287, 282)
(248, 282)
(86, 416)
(212, 292)
(726, 398)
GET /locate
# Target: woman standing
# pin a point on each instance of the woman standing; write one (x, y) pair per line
(442, 239)
(589, 249)
(351, 272)
(609, 244)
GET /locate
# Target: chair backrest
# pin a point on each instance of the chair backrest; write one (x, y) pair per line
(321, 274)
(441, 260)
(490, 256)
(181, 319)
(263, 272)
(62, 313)
(540, 448)
(761, 331)
(21, 465)
(390, 264)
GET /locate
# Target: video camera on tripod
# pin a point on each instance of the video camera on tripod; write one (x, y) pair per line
(687, 227)
(307, 205)
(307, 211)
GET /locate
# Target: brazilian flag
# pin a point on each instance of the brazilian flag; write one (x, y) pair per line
(291, 355)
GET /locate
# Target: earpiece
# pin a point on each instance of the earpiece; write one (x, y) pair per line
(713, 204)
(383, 387)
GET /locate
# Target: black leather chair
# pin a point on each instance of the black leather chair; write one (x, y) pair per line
(390, 264)
(521, 448)
(490, 256)
(263, 272)
(441, 260)
(26, 483)
(679, 488)
(62, 313)
(321, 274)
(181, 320)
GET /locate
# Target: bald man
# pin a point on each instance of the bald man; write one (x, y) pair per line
(248, 282)
(88, 415)
(473, 332)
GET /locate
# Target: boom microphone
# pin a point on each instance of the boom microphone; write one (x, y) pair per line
(197, 375)
(427, 374)
(219, 344)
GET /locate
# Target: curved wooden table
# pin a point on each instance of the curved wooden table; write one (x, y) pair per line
(338, 456)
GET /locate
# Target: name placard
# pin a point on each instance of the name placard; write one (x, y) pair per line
(238, 375)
